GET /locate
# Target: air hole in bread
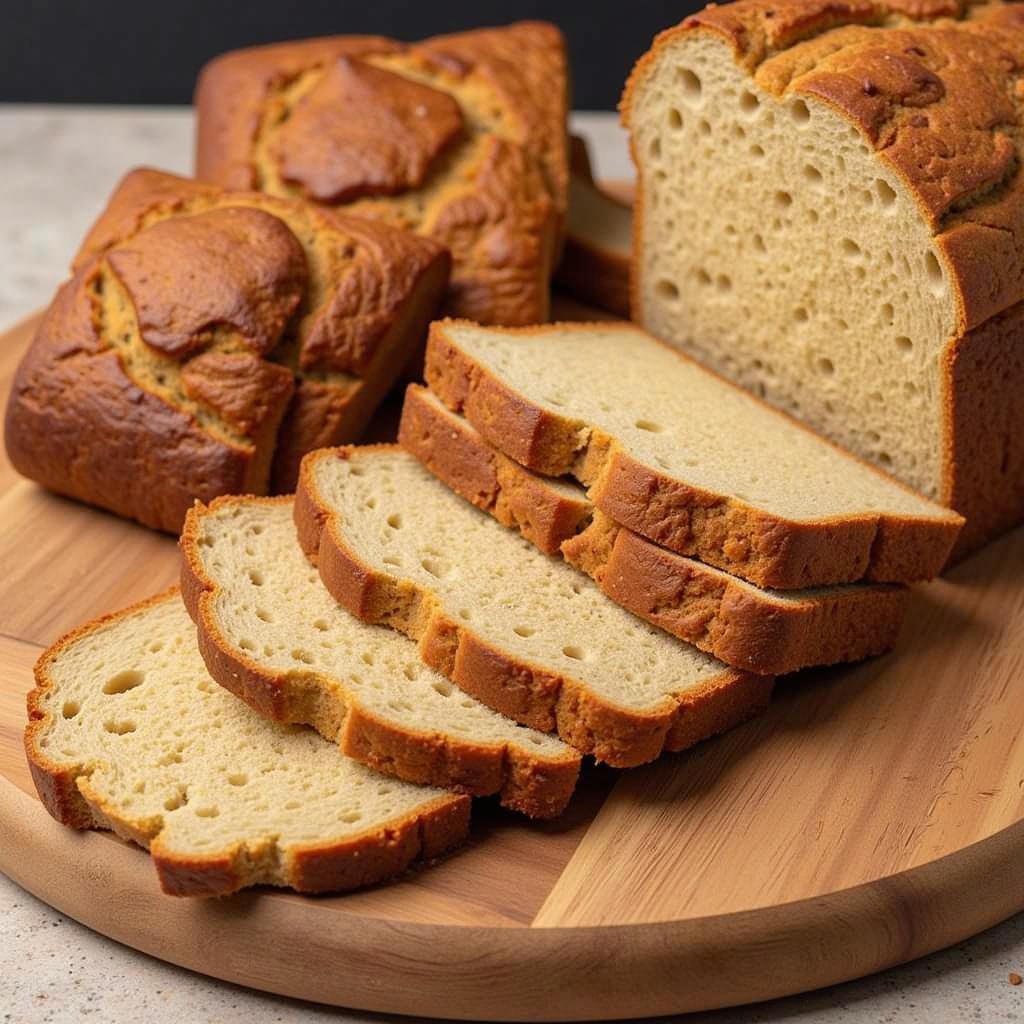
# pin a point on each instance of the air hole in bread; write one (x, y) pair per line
(371, 502)
(124, 681)
(703, 277)
(757, 151)
(749, 103)
(70, 708)
(904, 344)
(759, 243)
(739, 131)
(119, 728)
(156, 647)
(800, 112)
(395, 521)
(256, 577)
(465, 614)
(654, 148)
(649, 425)
(704, 126)
(523, 631)
(292, 805)
(667, 290)
(813, 175)
(826, 366)
(355, 469)
(850, 248)
(885, 192)
(885, 458)
(246, 644)
(434, 567)
(783, 198)
(350, 817)
(392, 560)
(238, 779)
(723, 282)
(800, 315)
(690, 84)
(298, 654)
(931, 265)
(320, 624)
(675, 119)
(207, 812)
(888, 312)
(574, 652)
(443, 687)
(263, 615)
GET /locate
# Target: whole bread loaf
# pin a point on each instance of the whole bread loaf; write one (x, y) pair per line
(207, 340)
(460, 137)
(830, 211)
(128, 732)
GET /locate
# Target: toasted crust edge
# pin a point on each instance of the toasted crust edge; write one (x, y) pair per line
(763, 548)
(360, 860)
(538, 787)
(738, 624)
(531, 694)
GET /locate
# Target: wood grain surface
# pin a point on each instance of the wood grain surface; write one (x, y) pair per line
(872, 815)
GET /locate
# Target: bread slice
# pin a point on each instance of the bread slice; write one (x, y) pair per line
(271, 633)
(843, 238)
(598, 240)
(682, 457)
(128, 732)
(766, 631)
(523, 632)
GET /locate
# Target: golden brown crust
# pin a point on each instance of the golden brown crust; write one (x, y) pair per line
(494, 193)
(315, 867)
(763, 548)
(739, 624)
(985, 459)
(530, 694)
(148, 383)
(539, 787)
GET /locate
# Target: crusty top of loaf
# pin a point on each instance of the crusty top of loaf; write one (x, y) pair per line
(166, 362)
(460, 137)
(519, 68)
(935, 86)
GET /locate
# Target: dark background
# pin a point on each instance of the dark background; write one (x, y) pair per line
(149, 51)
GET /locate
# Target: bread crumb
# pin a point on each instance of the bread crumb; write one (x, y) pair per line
(1015, 978)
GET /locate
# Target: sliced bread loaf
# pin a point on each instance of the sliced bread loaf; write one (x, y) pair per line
(767, 631)
(128, 732)
(830, 212)
(682, 457)
(270, 633)
(525, 633)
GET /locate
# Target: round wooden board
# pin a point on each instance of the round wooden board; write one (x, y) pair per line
(872, 815)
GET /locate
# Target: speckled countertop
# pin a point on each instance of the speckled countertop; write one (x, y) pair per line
(57, 166)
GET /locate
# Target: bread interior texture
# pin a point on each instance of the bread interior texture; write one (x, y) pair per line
(779, 249)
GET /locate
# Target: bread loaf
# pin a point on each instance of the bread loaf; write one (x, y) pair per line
(128, 732)
(830, 211)
(460, 137)
(682, 457)
(526, 634)
(766, 631)
(207, 340)
(271, 634)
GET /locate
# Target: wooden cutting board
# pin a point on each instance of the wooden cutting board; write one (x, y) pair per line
(872, 815)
